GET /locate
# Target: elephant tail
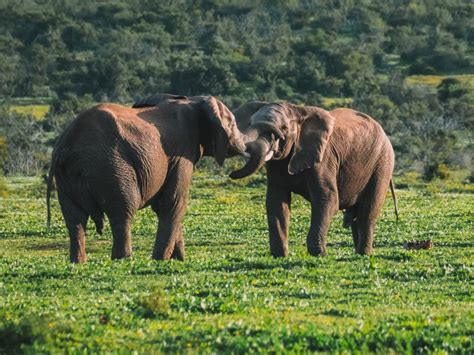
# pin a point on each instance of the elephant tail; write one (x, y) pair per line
(48, 190)
(394, 197)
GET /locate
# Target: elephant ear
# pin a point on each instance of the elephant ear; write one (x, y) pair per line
(312, 141)
(223, 129)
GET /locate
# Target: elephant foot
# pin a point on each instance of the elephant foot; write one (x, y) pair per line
(178, 254)
(279, 252)
(364, 251)
(78, 259)
(317, 251)
(277, 256)
(178, 257)
(121, 255)
(78, 255)
(160, 255)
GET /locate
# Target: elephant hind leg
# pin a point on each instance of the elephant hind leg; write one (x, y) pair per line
(169, 242)
(350, 220)
(76, 222)
(370, 206)
(355, 234)
(365, 228)
(170, 208)
(122, 236)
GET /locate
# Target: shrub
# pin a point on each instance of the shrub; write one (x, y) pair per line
(470, 178)
(436, 170)
(153, 305)
(3, 157)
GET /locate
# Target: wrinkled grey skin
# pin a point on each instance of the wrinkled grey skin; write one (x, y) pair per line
(337, 160)
(114, 160)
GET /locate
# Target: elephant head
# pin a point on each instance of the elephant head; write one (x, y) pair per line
(219, 134)
(276, 130)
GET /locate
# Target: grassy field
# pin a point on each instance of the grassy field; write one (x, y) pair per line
(230, 295)
(37, 111)
(434, 80)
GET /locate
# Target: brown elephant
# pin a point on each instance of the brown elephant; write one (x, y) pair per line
(337, 160)
(114, 160)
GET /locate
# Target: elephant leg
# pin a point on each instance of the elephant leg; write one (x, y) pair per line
(355, 234)
(324, 205)
(122, 237)
(350, 219)
(169, 240)
(178, 252)
(76, 222)
(278, 204)
(171, 208)
(366, 228)
(370, 206)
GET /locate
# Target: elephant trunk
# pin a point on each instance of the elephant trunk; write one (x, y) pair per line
(258, 151)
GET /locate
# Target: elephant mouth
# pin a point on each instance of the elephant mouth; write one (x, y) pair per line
(273, 150)
(268, 155)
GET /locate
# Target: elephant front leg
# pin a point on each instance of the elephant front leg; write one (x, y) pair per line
(171, 208)
(370, 206)
(278, 204)
(323, 209)
(178, 252)
(168, 241)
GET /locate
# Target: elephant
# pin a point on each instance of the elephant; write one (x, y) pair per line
(114, 160)
(337, 160)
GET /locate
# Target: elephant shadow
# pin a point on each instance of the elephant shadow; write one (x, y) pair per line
(266, 263)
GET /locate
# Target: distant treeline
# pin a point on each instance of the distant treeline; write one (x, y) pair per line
(75, 52)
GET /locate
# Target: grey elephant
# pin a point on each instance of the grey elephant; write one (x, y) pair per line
(337, 160)
(114, 160)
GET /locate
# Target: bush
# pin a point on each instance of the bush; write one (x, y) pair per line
(153, 305)
(470, 178)
(436, 170)
(3, 157)
(3, 187)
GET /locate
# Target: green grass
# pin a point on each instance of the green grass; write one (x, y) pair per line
(337, 102)
(230, 295)
(457, 182)
(434, 80)
(37, 111)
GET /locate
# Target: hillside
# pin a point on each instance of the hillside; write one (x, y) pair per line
(327, 53)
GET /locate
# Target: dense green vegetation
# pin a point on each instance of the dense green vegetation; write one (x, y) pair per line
(230, 294)
(69, 54)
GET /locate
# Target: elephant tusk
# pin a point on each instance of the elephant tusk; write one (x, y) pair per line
(269, 155)
(271, 152)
